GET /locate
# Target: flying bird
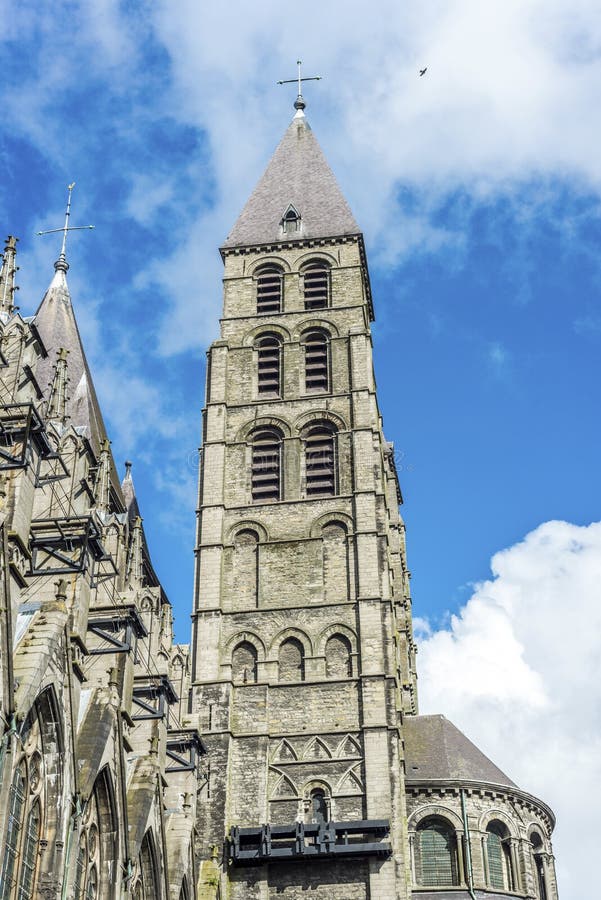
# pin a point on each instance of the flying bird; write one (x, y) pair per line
(423, 71)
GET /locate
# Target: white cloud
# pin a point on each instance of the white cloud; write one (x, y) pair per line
(519, 670)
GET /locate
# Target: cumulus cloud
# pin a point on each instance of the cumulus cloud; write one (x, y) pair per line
(519, 670)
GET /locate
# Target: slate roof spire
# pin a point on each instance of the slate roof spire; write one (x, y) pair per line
(297, 175)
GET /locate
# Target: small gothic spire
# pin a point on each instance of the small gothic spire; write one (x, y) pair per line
(57, 401)
(102, 486)
(7, 276)
(135, 557)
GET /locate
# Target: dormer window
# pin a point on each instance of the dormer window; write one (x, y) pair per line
(291, 220)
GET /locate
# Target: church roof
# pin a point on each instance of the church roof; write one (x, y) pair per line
(297, 176)
(435, 750)
(57, 326)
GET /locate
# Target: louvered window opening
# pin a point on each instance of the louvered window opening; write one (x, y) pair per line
(30, 850)
(16, 804)
(437, 855)
(317, 287)
(320, 462)
(497, 865)
(269, 292)
(316, 362)
(266, 456)
(268, 362)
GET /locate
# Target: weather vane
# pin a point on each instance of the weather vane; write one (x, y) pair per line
(300, 103)
(61, 262)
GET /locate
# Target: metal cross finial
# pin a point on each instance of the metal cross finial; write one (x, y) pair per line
(61, 262)
(300, 104)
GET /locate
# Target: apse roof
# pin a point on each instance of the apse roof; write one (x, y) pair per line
(297, 176)
(435, 750)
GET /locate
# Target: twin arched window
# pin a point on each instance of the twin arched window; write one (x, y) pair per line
(320, 455)
(315, 283)
(436, 853)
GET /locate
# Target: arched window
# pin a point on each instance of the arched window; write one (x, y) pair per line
(498, 856)
(316, 285)
(539, 865)
(244, 663)
(436, 853)
(92, 885)
(338, 657)
(320, 460)
(16, 811)
(266, 464)
(30, 853)
(319, 806)
(291, 661)
(269, 354)
(317, 369)
(269, 290)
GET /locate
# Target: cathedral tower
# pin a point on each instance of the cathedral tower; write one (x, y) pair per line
(322, 780)
(303, 651)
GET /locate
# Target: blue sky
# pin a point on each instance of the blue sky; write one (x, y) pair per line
(478, 187)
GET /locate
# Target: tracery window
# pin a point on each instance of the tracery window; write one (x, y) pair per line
(498, 856)
(320, 460)
(269, 290)
(266, 465)
(97, 848)
(316, 285)
(148, 884)
(436, 853)
(291, 661)
(16, 812)
(317, 369)
(30, 852)
(269, 365)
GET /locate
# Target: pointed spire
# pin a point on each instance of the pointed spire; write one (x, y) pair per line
(102, 485)
(298, 176)
(7, 276)
(57, 401)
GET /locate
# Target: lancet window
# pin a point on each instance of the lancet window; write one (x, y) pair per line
(320, 460)
(316, 285)
(436, 853)
(269, 357)
(266, 465)
(16, 813)
(317, 374)
(269, 290)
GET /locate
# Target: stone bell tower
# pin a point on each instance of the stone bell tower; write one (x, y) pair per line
(303, 649)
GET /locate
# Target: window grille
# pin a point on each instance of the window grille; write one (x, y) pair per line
(30, 850)
(269, 290)
(16, 806)
(437, 854)
(316, 362)
(320, 461)
(266, 463)
(268, 365)
(316, 279)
